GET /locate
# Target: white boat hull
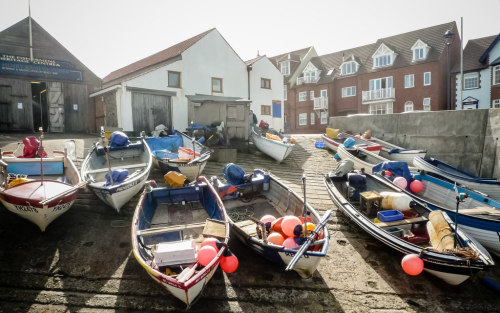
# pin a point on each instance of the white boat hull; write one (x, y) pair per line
(117, 196)
(358, 163)
(273, 148)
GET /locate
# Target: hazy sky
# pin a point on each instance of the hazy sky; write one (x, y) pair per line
(108, 34)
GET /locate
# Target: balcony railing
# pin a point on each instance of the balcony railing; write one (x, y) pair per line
(321, 103)
(310, 79)
(381, 94)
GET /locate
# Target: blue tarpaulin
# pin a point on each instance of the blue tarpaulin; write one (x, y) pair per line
(396, 168)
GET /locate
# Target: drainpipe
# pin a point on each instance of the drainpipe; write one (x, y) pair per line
(249, 68)
(30, 32)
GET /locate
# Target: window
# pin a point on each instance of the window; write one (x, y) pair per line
(381, 83)
(409, 106)
(427, 78)
(265, 83)
(216, 84)
(381, 108)
(324, 93)
(285, 68)
(311, 95)
(302, 119)
(426, 104)
(324, 117)
(302, 96)
(265, 110)
(349, 68)
(174, 79)
(409, 81)
(348, 91)
(383, 60)
(285, 92)
(471, 80)
(418, 54)
(496, 75)
(312, 119)
(495, 104)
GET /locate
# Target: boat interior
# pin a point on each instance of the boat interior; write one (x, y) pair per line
(170, 234)
(408, 221)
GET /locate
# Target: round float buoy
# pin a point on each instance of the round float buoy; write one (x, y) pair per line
(206, 254)
(412, 264)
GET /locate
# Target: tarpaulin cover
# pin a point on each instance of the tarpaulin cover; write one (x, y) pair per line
(170, 143)
(397, 168)
(118, 177)
(118, 139)
(234, 174)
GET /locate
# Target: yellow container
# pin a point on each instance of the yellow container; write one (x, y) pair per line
(174, 179)
(273, 137)
(332, 133)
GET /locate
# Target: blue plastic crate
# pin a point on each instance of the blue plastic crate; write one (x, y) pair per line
(390, 215)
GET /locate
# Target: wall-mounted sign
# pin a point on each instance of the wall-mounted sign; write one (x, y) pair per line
(75, 107)
(20, 105)
(40, 68)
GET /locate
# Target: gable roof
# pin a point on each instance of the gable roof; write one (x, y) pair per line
(402, 44)
(252, 61)
(162, 56)
(487, 52)
(296, 55)
(45, 46)
(473, 52)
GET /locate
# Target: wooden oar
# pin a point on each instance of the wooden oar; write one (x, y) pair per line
(305, 205)
(309, 240)
(198, 157)
(185, 275)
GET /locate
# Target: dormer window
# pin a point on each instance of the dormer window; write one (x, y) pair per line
(350, 67)
(420, 50)
(285, 68)
(383, 57)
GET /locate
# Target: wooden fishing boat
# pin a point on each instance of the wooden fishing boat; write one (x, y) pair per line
(168, 226)
(39, 189)
(489, 186)
(362, 158)
(424, 232)
(333, 143)
(478, 215)
(132, 163)
(174, 153)
(396, 153)
(263, 194)
(276, 149)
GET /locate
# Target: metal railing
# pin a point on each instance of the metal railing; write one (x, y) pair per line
(321, 103)
(308, 79)
(381, 94)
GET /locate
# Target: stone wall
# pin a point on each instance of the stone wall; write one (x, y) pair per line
(467, 139)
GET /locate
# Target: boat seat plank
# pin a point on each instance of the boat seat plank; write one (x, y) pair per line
(161, 230)
(486, 210)
(249, 227)
(403, 222)
(214, 228)
(101, 170)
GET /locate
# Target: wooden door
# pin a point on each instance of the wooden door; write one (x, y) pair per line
(150, 111)
(55, 103)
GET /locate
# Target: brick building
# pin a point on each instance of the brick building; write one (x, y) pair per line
(401, 73)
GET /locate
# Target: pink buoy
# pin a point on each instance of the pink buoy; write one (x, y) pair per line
(289, 223)
(276, 238)
(400, 182)
(229, 262)
(412, 264)
(290, 243)
(388, 173)
(206, 254)
(267, 219)
(416, 186)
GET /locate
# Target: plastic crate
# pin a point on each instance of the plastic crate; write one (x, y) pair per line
(390, 215)
(395, 231)
(177, 252)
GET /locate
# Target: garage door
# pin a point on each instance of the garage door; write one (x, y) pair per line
(150, 111)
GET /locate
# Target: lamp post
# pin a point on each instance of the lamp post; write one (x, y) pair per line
(41, 108)
(448, 38)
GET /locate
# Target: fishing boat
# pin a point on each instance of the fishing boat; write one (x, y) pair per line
(333, 143)
(277, 146)
(117, 172)
(37, 187)
(426, 233)
(175, 153)
(395, 153)
(478, 215)
(362, 158)
(168, 227)
(489, 186)
(261, 194)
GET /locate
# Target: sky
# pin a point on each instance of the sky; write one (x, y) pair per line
(107, 35)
